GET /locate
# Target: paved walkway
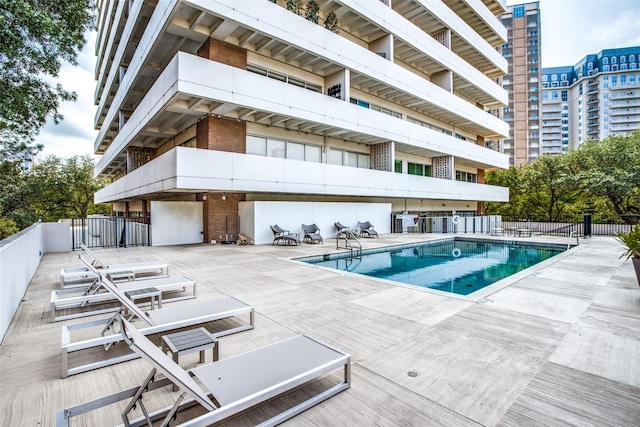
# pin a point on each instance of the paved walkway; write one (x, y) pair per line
(559, 346)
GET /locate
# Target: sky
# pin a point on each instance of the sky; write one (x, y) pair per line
(571, 29)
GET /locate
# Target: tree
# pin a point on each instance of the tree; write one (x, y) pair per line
(611, 169)
(63, 188)
(54, 188)
(35, 37)
(551, 187)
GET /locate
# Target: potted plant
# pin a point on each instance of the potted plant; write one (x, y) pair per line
(631, 241)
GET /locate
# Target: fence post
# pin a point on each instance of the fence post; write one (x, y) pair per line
(586, 225)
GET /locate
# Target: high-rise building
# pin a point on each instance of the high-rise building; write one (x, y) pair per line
(522, 82)
(219, 117)
(597, 97)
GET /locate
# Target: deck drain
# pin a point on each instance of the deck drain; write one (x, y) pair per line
(413, 374)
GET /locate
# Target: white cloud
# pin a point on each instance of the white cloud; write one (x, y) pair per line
(615, 33)
(75, 134)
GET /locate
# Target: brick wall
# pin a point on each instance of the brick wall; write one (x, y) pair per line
(221, 134)
(223, 52)
(220, 217)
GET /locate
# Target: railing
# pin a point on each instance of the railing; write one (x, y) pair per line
(348, 237)
(580, 225)
(109, 232)
(421, 223)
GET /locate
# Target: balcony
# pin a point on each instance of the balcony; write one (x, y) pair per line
(625, 119)
(185, 92)
(190, 170)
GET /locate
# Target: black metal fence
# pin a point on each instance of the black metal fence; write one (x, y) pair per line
(110, 232)
(582, 225)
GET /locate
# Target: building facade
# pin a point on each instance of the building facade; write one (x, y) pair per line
(523, 53)
(222, 116)
(596, 98)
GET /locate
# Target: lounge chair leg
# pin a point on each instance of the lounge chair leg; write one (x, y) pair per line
(137, 400)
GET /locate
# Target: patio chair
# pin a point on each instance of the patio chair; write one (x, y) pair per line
(341, 228)
(366, 229)
(233, 385)
(312, 233)
(77, 299)
(80, 276)
(281, 235)
(165, 319)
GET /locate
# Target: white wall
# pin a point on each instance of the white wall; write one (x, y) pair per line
(257, 217)
(56, 237)
(176, 223)
(20, 256)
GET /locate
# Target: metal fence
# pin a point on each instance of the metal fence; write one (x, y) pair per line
(109, 232)
(581, 225)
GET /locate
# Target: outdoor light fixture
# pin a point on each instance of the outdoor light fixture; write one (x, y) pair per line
(224, 196)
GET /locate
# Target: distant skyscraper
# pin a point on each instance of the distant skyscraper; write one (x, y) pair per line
(597, 97)
(523, 53)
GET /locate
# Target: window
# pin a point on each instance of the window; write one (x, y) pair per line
(518, 11)
(563, 76)
(466, 176)
(605, 68)
(295, 151)
(564, 95)
(312, 153)
(632, 58)
(605, 61)
(418, 169)
(282, 149)
(623, 59)
(283, 78)
(589, 66)
(397, 166)
(341, 157)
(614, 60)
(276, 148)
(359, 102)
(256, 145)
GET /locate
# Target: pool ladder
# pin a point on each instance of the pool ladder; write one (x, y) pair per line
(350, 242)
(573, 233)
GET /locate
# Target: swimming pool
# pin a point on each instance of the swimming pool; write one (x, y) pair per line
(458, 266)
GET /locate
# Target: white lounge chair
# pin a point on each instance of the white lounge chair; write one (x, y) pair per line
(82, 276)
(155, 321)
(232, 385)
(64, 299)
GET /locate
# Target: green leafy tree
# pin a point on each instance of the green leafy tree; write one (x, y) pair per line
(552, 192)
(35, 37)
(8, 227)
(63, 188)
(14, 197)
(611, 169)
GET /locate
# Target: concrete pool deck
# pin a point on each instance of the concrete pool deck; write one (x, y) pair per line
(560, 345)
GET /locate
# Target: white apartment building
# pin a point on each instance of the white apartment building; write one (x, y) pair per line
(597, 97)
(219, 117)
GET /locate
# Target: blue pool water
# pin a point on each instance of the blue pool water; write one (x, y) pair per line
(458, 266)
